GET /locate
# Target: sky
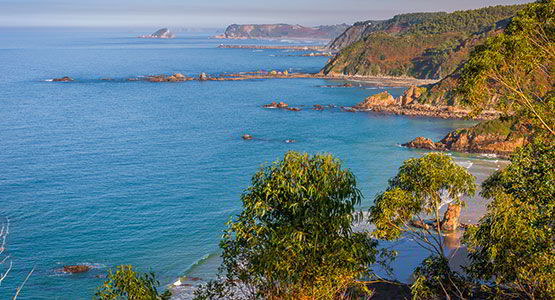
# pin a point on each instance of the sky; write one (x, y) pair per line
(215, 13)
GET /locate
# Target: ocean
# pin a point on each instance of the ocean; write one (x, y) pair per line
(116, 172)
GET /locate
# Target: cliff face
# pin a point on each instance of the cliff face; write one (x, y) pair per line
(421, 45)
(269, 31)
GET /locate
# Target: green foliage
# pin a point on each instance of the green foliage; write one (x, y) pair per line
(126, 283)
(434, 277)
(293, 239)
(417, 189)
(422, 45)
(514, 245)
(516, 69)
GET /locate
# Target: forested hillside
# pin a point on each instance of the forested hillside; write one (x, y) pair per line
(421, 45)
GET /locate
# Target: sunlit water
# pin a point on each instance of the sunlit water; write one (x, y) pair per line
(114, 172)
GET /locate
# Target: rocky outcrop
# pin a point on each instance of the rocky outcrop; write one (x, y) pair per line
(74, 269)
(165, 78)
(247, 137)
(409, 104)
(163, 33)
(451, 217)
(424, 143)
(63, 79)
(501, 137)
(280, 31)
(382, 99)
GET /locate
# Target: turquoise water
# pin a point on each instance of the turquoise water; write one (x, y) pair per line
(114, 172)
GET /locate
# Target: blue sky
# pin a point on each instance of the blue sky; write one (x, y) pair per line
(215, 13)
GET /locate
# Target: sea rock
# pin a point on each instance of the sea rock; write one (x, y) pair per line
(378, 100)
(293, 108)
(277, 105)
(247, 137)
(63, 79)
(163, 33)
(202, 76)
(76, 269)
(451, 217)
(424, 143)
(410, 95)
(317, 107)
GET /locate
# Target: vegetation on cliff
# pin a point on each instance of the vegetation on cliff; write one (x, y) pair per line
(515, 71)
(421, 45)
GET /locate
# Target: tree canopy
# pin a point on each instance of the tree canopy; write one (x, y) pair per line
(126, 283)
(513, 247)
(294, 239)
(515, 71)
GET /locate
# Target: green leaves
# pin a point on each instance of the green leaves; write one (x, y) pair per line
(515, 70)
(417, 190)
(125, 283)
(514, 244)
(294, 237)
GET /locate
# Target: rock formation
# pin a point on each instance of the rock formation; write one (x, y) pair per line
(501, 136)
(163, 33)
(247, 137)
(76, 269)
(63, 79)
(451, 217)
(382, 99)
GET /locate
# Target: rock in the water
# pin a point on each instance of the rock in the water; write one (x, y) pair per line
(163, 33)
(450, 220)
(424, 143)
(63, 79)
(247, 137)
(202, 76)
(379, 100)
(76, 269)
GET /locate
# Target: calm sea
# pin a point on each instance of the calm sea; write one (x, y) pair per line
(106, 173)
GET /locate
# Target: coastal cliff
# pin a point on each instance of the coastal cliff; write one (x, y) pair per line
(420, 45)
(280, 31)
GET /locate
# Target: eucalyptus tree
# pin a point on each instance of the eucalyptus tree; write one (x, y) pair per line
(513, 247)
(421, 187)
(515, 70)
(294, 238)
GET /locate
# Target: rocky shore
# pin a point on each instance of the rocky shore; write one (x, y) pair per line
(274, 74)
(406, 105)
(500, 137)
(260, 47)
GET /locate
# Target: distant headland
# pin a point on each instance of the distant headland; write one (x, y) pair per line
(282, 31)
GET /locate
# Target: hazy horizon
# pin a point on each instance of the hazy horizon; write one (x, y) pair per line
(214, 13)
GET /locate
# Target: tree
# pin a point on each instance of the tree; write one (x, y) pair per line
(422, 186)
(516, 69)
(513, 247)
(293, 239)
(126, 283)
